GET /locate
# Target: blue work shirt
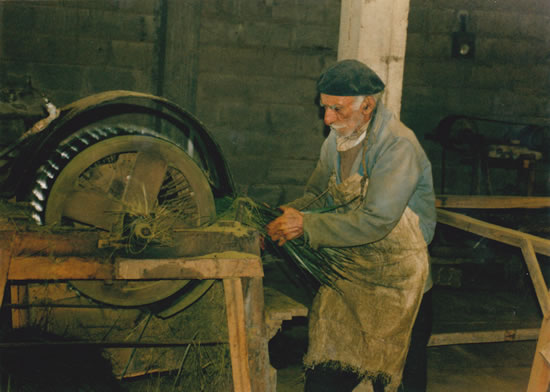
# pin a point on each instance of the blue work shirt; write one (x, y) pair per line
(400, 175)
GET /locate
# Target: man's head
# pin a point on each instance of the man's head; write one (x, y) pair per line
(348, 90)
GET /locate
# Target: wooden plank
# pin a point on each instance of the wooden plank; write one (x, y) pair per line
(19, 295)
(234, 303)
(537, 278)
(6, 246)
(279, 306)
(539, 378)
(491, 202)
(262, 375)
(491, 231)
(222, 236)
(500, 335)
(59, 268)
(545, 352)
(73, 243)
(5, 258)
(219, 237)
(111, 344)
(213, 266)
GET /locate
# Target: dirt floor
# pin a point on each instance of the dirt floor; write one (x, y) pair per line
(482, 367)
(488, 367)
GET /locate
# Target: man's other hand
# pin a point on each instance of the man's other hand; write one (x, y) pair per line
(288, 226)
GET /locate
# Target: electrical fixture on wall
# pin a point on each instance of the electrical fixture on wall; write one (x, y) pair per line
(463, 42)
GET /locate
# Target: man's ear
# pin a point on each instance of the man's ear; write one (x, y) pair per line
(368, 105)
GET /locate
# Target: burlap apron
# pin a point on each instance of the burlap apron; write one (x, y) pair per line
(366, 327)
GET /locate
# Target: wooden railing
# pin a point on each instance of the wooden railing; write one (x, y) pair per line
(530, 245)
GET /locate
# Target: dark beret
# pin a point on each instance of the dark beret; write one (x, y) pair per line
(349, 78)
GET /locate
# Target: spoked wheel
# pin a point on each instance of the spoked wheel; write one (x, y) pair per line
(133, 184)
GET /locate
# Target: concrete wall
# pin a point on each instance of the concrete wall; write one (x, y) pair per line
(259, 61)
(71, 49)
(250, 66)
(508, 79)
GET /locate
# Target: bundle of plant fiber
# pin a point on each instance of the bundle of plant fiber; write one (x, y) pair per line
(324, 265)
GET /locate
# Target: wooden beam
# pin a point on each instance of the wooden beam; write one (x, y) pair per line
(218, 237)
(384, 52)
(491, 202)
(111, 344)
(73, 243)
(279, 306)
(19, 295)
(221, 236)
(59, 268)
(536, 276)
(492, 336)
(491, 231)
(213, 266)
(236, 327)
(545, 352)
(262, 377)
(5, 259)
(539, 378)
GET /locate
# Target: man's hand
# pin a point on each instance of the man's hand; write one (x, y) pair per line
(288, 226)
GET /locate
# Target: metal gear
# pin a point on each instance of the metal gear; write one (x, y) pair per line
(135, 185)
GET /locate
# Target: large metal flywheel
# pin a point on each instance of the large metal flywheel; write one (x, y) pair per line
(133, 184)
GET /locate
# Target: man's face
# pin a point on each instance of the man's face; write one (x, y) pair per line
(343, 114)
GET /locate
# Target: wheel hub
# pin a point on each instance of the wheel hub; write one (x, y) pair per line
(132, 184)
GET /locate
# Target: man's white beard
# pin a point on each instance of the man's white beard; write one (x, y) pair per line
(344, 143)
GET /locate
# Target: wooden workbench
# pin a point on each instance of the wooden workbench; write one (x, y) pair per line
(30, 254)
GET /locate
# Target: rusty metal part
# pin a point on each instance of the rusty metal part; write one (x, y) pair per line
(39, 126)
(12, 150)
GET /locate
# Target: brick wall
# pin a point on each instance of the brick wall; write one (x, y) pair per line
(71, 49)
(258, 64)
(508, 79)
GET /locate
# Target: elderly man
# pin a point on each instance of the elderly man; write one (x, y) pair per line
(373, 167)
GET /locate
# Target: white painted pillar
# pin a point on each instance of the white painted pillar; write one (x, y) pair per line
(375, 32)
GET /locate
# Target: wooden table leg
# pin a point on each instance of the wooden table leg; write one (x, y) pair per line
(263, 377)
(19, 317)
(533, 266)
(234, 304)
(19, 295)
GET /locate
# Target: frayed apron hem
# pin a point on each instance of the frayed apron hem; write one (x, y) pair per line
(361, 373)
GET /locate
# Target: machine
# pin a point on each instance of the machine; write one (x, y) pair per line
(129, 164)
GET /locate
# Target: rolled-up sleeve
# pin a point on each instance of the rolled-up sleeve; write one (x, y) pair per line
(392, 182)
